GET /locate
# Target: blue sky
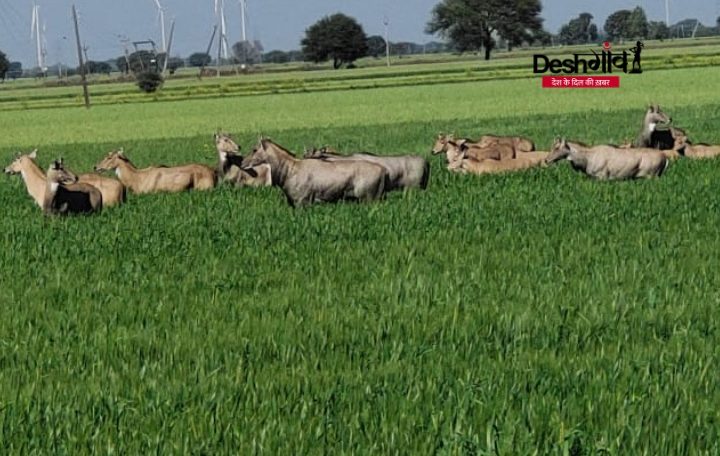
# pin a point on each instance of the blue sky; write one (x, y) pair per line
(279, 24)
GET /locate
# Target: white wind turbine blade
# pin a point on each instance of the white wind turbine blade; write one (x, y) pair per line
(34, 21)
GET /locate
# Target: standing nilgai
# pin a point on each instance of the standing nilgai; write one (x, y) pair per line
(65, 195)
(610, 162)
(306, 182)
(404, 171)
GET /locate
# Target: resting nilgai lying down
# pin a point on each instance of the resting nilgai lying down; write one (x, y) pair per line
(156, 179)
(488, 146)
(701, 150)
(610, 162)
(459, 161)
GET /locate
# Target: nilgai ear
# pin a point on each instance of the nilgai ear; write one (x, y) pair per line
(33, 154)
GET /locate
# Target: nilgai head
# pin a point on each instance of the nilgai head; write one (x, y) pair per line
(111, 161)
(259, 154)
(560, 149)
(455, 150)
(654, 116)
(226, 145)
(456, 161)
(441, 143)
(20, 161)
(57, 174)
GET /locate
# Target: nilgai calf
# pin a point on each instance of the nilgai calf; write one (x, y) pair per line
(609, 162)
(307, 182)
(64, 195)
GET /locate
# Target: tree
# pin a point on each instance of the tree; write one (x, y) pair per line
(199, 59)
(121, 63)
(149, 81)
(544, 38)
(141, 61)
(376, 46)
(580, 30)
(637, 24)
(247, 52)
(174, 63)
(616, 25)
(276, 57)
(520, 22)
(470, 25)
(295, 56)
(626, 24)
(94, 67)
(15, 70)
(337, 37)
(4, 66)
(658, 30)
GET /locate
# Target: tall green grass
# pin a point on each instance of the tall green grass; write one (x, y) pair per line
(533, 313)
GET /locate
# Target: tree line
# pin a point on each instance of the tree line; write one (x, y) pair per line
(479, 26)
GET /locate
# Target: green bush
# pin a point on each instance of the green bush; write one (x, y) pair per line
(149, 81)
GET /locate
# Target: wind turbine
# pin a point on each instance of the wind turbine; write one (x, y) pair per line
(243, 13)
(161, 18)
(223, 43)
(36, 32)
(667, 13)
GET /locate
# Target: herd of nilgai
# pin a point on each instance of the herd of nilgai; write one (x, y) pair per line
(323, 175)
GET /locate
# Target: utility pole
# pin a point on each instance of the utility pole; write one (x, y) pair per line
(207, 52)
(80, 58)
(386, 23)
(667, 13)
(219, 52)
(125, 40)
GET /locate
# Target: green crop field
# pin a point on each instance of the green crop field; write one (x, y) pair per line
(533, 313)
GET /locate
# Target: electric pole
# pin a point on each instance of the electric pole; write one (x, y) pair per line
(386, 23)
(80, 58)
